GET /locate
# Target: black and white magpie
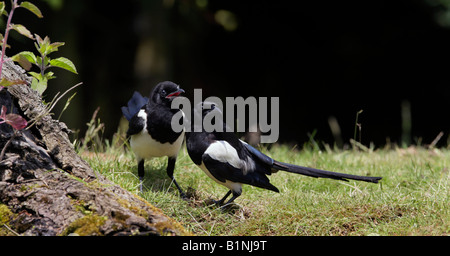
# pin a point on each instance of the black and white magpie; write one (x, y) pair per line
(150, 131)
(232, 162)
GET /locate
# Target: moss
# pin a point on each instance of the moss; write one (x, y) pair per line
(136, 210)
(24, 188)
(88, 225)
(5, 217)
(170, 228)
(81, 206)
(5, 214)
(164, 227)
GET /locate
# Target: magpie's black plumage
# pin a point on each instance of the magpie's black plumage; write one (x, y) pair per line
(135, 104)
(232, 162)
(150, 130)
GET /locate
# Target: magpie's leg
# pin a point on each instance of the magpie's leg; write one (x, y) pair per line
(235, 195)
(141, 173)
(220, 202)
(170, 169)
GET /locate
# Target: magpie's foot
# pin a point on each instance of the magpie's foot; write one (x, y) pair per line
(218, 203)
(184, 196)
(211, 202)
(225, 208)
(230, 207)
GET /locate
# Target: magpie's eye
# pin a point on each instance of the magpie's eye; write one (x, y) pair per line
(213, 106)
(163, 92)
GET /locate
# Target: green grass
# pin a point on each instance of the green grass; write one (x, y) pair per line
(412, 199)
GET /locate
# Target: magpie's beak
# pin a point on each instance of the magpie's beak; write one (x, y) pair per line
(175, 93)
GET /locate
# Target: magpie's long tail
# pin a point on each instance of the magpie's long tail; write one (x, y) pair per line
(136, 102)
(316, 173)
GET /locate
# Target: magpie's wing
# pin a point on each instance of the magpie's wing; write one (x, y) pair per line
(135, 125)
(258, 154)
(222, 171)
(136, 102)
(224, 164)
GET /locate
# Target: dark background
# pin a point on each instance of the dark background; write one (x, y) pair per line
(322, 58)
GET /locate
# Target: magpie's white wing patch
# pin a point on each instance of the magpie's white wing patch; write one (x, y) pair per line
(141, 114)
(222, 151)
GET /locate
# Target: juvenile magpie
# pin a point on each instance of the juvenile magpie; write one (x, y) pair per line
(232, 162)
(150, 127)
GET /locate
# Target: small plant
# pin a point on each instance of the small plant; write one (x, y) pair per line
(16, 121)
(26, 58)
(358, 126)
(93, 137)
(17, 27)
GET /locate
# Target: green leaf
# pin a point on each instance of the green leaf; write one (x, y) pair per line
(38, 76)
(45, 47)
(39, 85)
(39, 62)
(42, 44)
(46, 61)
(53, 47)
(49, 75)
(23, 62)
(28, 55)
(32, 8)
(25, 59)
(1, 41)
(64, 63)
(22, 30)
(38, 39)
(2, 8)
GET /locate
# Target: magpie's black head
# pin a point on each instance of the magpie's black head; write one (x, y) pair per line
(206, 107)
(165, 92)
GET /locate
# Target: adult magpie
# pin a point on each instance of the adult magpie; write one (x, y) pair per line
(150, 127)
(232, 162)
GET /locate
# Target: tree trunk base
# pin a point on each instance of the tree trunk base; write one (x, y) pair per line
(49, 190)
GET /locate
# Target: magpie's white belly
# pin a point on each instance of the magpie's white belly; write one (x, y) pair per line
(234, 186)
(145, 147)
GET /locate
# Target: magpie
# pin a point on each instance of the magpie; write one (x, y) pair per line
(232, 162)
(150, 131)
